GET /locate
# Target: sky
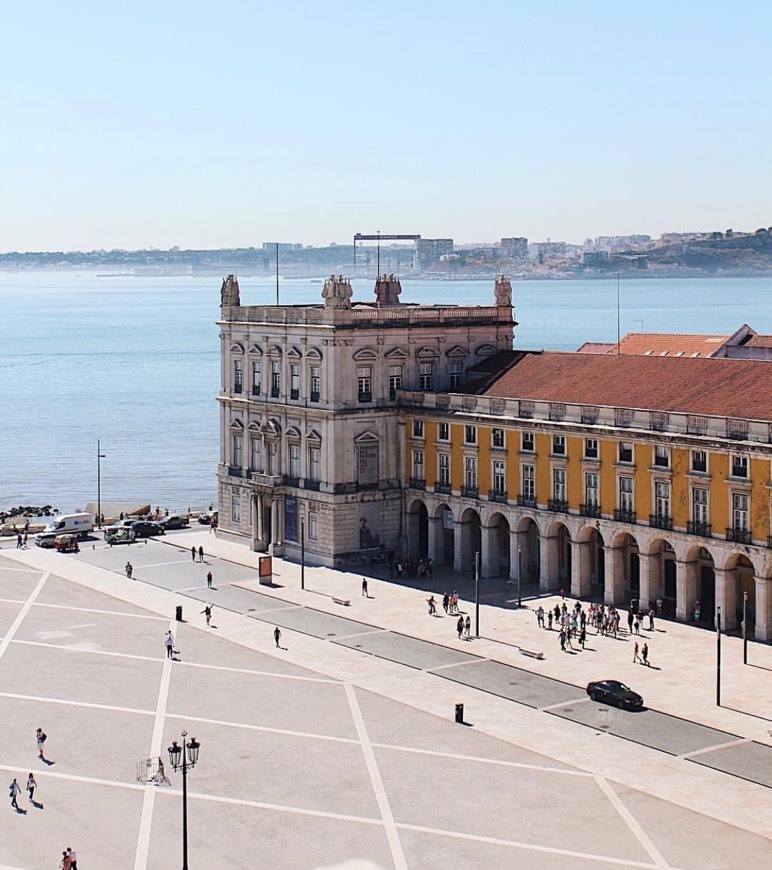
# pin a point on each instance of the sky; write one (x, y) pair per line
(209, 125)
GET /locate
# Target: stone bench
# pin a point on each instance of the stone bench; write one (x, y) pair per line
(532, 654)
(344, 602)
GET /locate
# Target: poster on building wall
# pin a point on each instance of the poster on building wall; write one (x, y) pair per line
(368, 465)
(369, 525)
(290, 518)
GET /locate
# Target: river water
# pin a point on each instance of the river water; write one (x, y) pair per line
(135, 362)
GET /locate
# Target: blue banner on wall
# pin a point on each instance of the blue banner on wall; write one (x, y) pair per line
(290, 518)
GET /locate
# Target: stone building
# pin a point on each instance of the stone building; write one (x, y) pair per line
(311, 442)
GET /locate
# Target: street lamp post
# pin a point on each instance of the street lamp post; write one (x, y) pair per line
(181, 758)
(519, 573)
(718, 655)
(477, 593)
(302, 553)
(100, 457)
(745, 628)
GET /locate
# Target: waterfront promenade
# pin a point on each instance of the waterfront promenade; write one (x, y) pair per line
(341, 746)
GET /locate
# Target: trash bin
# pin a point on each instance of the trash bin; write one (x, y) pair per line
(460, 713)
(179, 613)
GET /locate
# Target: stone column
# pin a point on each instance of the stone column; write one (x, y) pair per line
(613, 569)
(548, 578)
(260, 542)
(253, 519)
(275, 521)
(486, 550)
(726, 598)
(645, 591)
(461, 560)
(580, 569)
(763, 591)
(686, 590)
(515, 558)
(434, 531)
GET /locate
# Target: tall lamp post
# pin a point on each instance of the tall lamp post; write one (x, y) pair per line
(718, 655)
(100, 457)
(181, 758)
(477, 593)
(519, 573)
(302, 553)
(745, 628)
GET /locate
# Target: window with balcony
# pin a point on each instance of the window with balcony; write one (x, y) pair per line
(456, 370)
(740, 505)
(418, 468)
(237, 455)
(497, 438)
(590, 507)
(314, 464)
(257, 377)
(395, 381)
(276, 379)
(739, 466)
(236, 508)
(294, 461)
(313, 525)
(499, 478)
(699, 461)
(443, 432)
(625, 513)
(256, 454)
(294, 381)
(418, 428)
(590, 448)
(238, 376)
(527, 442)
(443, 472)
(528, 496)
(559, 490)
(470, 434)
(426, 377)
(470, 476)
(365, 384)
(700, 522)
(661, 456)
(661, 517)
(625, 451)
(272, 458)
(316, 383)
(559, 445)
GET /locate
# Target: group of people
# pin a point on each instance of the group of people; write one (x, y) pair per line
(411, 568)
(69, 860)
(450, 603)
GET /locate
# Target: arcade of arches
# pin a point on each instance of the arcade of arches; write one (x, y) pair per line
(598, 558)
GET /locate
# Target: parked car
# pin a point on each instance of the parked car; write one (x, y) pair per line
(119, 536)
(207, 517)
(146, 529)
(121, 524)
(175, 521)
(45, 539)
(67, 543)
(616, 693)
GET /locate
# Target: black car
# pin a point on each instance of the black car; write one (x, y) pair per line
(146, 529)
(175, 521)
(616, 693)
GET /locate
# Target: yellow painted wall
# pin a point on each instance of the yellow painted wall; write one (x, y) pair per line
(607, 450)
(644, 486)
(574, 472)
(680, 497)
(718, 466)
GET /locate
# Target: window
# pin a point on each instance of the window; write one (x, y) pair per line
(313, 525)
(443, 432)
(238, 376)
(591, 489)
(626, 494)
(294, 381)
(661, 499)
(418, 428)
(559, 445)
(497, 438)
(395, 381)
(559, 484)
(316, 383)
(699, 460)
(256, 454)
(238, 443)
(700, 505)
(499, 478)
(444, 469)
(527, 442)
(272, 452)
(315, 464)
(661, 456)
(236, 508)
(257, 377)
(294, 461)
(740, 502)
(418, 465)
(590, 448)
(470, 434)
(455, 375)
(529, 482)
(739, 466)
(625, 451)
(275, 378)
(470, 472)
(426, 377)
(365, 384)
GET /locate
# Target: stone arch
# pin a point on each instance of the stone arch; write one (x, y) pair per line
(496, 546)
(528, 551)
(556, 569)
(622, 574)
(659, 573)
(469, 539)
(237, 347)
(445, 534)
(734, 580)
(417, 529)
(589, 557)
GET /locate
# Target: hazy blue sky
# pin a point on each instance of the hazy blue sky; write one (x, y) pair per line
(231, 123)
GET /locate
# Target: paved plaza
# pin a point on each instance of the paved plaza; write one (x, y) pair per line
(339, 749)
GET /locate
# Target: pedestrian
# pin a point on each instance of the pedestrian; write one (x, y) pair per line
(630, 618)
(432, 605)
(651, 620)
(445, 602)
(200, 554)
(65, 864)
(207, 611)
(582, 636)
(364, 588)
(468, 626)
(540, 616)
(15, 792)
(549, 620)
(460, 626)
(169, 643)
(31, 786)
(18, 547)
(636, 657)
(277, 635)
(637, 624)
(129, 570)
(208, 579)
(41, 739)
(562, 638)
(24, 541)
(73, 858)
(645, 654)
(193, 553)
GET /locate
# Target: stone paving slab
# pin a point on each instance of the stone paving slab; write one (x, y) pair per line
(647, 727)
(513, 683)
(236, 599)
(61, 592)
(406, 650)
(315, 622)
(751, 761)
(8, 612)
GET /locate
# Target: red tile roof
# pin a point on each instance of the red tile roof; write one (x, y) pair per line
(704, 386)
(759, 341)
(669, 344)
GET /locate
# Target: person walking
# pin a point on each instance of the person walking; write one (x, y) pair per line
(645, 654)
(169, 643)
(468, 627)
(549, 619)
(636, 657)
(460, 626)
(445, 602)
(41, 739)
(129, 570)
(15, 792)
(364, 588)
(630, 617)
(193, 553)
(73, 858)
(65, 864)
(31, 786)
(18, 541)
(651, 620)
(208, 579)
(582, 635)
(277, 635)
(200, 554)
(432, 605)
(207, 611)
(540, 616)
(562, 638)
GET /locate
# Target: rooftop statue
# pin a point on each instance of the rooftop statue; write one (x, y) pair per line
(502, 291)
(387, 290)
(229, 292)
(337, 292)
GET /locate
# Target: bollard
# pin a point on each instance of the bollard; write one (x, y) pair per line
(460, 714)
(179, 613)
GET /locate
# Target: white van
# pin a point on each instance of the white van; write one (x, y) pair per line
(73, 524)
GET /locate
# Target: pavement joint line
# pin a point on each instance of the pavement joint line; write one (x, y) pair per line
(11, 601)
(632, 823)
(99, 611)
(70, 703)
(379, 789)
(96, 652)
(142, 854)
(21, 570)
(74, 777)
(706, 749)
(263, 728)
(328, 680)
(163, 564)
(20, 616)
(356, 634)
(453, 665)
(551, 707)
